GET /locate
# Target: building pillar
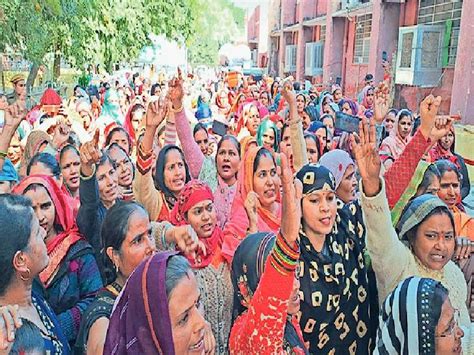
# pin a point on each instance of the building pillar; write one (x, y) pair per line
(300, 54)
(462, 96)
(333, 48)
(384, 35)
(281, 55)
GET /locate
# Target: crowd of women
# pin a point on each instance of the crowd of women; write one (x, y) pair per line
(173, 216)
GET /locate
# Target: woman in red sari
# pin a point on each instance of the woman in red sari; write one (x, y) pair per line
(258, 181)
(265, 319)
(72, 276)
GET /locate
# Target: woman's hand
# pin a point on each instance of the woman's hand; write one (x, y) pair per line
(156, 113)
(251, 204)
(364, 147)
(90, 154)
(288, 93)
(176, 91)
(428, 111)
(381, 102)
(464, 248)
(9, 322)
(441, 127)
(291, 202)
(187, 241)
(209, 340)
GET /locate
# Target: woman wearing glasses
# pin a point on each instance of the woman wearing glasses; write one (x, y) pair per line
(417, 317)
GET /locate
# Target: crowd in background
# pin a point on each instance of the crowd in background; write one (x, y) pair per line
(170, 214)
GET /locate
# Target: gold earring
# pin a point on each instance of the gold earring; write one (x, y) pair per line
(26, 278)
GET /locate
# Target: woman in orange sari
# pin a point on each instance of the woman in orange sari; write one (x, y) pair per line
(450, 193)
(259, 189)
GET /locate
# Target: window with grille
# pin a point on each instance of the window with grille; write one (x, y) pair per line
(322, 33)
(441, 12)
(362, 39)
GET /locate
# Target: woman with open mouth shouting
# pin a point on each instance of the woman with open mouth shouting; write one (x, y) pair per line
(220, 173)
(423, 242)
(265, 316)
(159, 195)
(195, 209)
(333, 275)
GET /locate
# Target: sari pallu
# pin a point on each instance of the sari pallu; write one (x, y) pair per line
(67, 231)
(394, 145)
(236, 228)
(140, 322)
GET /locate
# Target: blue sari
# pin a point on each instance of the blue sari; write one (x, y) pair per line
(54, 340)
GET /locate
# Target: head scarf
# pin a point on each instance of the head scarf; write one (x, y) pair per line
(8, 172)
(203, 111)
(244, 144)
(246, 185)
(194, 192)
(312, 112)
(64, 223)
(337, 272)
(128, 126)
(315, 177)
(112, 109)
(394, 144)
(247, 269)
(409, 316)
(416, 212)
(160, 173)
(51, 98)
(438, 152)
(337, 161)
(34, 141)
(352, 104)
(314, 126)
(365, 91)
(262, 128)
(140, 322)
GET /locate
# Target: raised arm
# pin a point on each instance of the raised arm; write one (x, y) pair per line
(388, 254)
(298, 143)
(192, 153)
(431, 129)
(269, 305)
(143, 186)
(13, 119)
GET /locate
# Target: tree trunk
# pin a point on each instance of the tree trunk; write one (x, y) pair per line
(57, 65)
(32, 76)
(1, 72)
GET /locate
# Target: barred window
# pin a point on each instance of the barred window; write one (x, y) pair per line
(322, 33)
(438, 12)
(362, 39)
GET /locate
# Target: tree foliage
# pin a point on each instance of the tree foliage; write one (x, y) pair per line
(217, 23)
(112, 31)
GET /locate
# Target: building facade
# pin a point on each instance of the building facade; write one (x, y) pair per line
(428, 43)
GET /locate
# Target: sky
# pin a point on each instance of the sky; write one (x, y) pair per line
(248, 4)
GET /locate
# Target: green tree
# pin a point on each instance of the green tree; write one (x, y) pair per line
(216, 23)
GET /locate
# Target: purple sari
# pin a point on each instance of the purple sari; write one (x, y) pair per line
(140, 322)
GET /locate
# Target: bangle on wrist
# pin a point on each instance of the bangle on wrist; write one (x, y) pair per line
(91, 175)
